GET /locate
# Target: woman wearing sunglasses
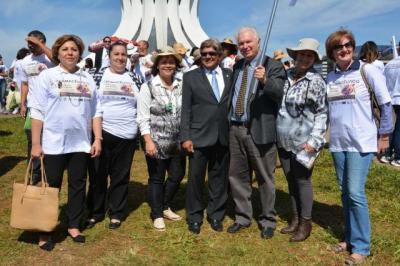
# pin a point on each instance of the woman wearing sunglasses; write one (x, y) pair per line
(301, 126)
(354, 136)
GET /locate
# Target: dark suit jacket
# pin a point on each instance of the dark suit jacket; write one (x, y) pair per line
(204, 120)
(263, 105)
(98, 59)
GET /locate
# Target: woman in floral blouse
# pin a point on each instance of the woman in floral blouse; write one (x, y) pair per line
(301, 126)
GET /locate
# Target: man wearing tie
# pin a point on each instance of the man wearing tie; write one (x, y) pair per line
(204, 136)
(252, 133)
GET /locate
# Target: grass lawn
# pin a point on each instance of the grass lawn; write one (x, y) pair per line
(136, 243)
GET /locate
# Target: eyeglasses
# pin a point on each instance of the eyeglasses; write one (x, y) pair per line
(107, 41)
(212, 54)
(340, 46)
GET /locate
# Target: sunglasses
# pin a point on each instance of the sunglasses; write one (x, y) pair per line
(107, 41)
(212, 54)
(340, 46)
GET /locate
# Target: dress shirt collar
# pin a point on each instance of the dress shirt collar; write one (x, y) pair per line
(217, 69)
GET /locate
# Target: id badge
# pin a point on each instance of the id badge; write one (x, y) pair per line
(116, 88)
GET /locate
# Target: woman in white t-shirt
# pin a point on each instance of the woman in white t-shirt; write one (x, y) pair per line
(369, 54)
(118, 96)
(64, 105)
(354, 137)
(159, 118)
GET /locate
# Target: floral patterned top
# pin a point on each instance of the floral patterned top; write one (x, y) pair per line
(303, 116)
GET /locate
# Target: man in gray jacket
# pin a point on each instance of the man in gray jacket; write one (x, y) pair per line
(252, 133)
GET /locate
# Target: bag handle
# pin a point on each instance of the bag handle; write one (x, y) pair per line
(29, 173)
(372, 97)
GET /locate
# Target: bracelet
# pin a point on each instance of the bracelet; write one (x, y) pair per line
(98, 138)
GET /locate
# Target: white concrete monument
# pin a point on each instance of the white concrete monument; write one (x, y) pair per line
(161, 22)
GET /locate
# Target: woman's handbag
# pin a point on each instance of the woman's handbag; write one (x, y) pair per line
(34, 208)
(375, 108)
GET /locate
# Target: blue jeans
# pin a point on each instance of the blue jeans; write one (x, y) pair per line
(395, 137)
(351, 171)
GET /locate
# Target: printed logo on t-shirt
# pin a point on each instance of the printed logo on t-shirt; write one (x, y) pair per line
(34, 68)
(117, 88)
(74, 88)
(340, 91)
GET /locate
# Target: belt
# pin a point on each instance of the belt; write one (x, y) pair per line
(240, 124)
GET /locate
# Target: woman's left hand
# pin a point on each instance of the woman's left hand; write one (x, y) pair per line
(383, 143)
(96, 148)
(308, 148)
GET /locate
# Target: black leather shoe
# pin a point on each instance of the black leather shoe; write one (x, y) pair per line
(236, 227)
(114, 225)
(194, 227)
(90, 223)
(48, 246)
(79, 238)
(267, 232)
(216, 225)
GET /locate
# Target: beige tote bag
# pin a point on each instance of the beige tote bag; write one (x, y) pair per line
(34, 208)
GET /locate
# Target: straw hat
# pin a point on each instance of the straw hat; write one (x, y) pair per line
(167, 50)
(131, 49)
(279, 54)
(180, 48)
(228, 42)
(305, 44)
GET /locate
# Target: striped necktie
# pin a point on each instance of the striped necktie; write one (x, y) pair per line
(239, 108)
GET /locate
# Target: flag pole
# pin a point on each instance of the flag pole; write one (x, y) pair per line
(261, 58)
(394, 44)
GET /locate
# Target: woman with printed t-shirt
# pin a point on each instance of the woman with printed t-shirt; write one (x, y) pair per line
(354, 136)
(65, 106)
(159, 117)
(118, 96)
(301, 127)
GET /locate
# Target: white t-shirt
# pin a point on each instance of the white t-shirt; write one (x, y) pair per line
(352, 126)
(18, 73)
(392, 74)
(3, 69)
(66, 103)
(118, 95)
(228, 62)
(31, 67)
(105, 60)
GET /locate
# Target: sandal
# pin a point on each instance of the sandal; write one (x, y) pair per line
(338, 248)
(350, 260)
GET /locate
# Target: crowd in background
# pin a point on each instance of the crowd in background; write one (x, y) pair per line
(220, 111)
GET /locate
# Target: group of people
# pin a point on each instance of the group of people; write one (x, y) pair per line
(226, 123)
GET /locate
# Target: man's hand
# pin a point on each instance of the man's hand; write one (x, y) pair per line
(22, 112)
(259, 74)
(188, 146)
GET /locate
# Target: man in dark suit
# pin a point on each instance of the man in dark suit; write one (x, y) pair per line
(252, 133)
(204, 136)
(101, 58)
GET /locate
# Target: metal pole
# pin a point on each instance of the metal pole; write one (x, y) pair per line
(394, 45)
(268, 33)
(261, 59)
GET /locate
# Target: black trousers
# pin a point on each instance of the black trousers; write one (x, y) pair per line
(76, 165)
(216, 159)
(299, 183)
(162, 191)
(115, 161)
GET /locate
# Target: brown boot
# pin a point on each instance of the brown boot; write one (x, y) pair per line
(291, 228)
(303, 231)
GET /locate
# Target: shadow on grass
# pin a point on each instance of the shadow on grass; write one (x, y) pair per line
(137, 195)
(7, 163)
(5, 133)
(57, 236)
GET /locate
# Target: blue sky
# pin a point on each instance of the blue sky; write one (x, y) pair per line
(92, 19)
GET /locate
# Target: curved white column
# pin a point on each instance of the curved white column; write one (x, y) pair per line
(143, 14)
